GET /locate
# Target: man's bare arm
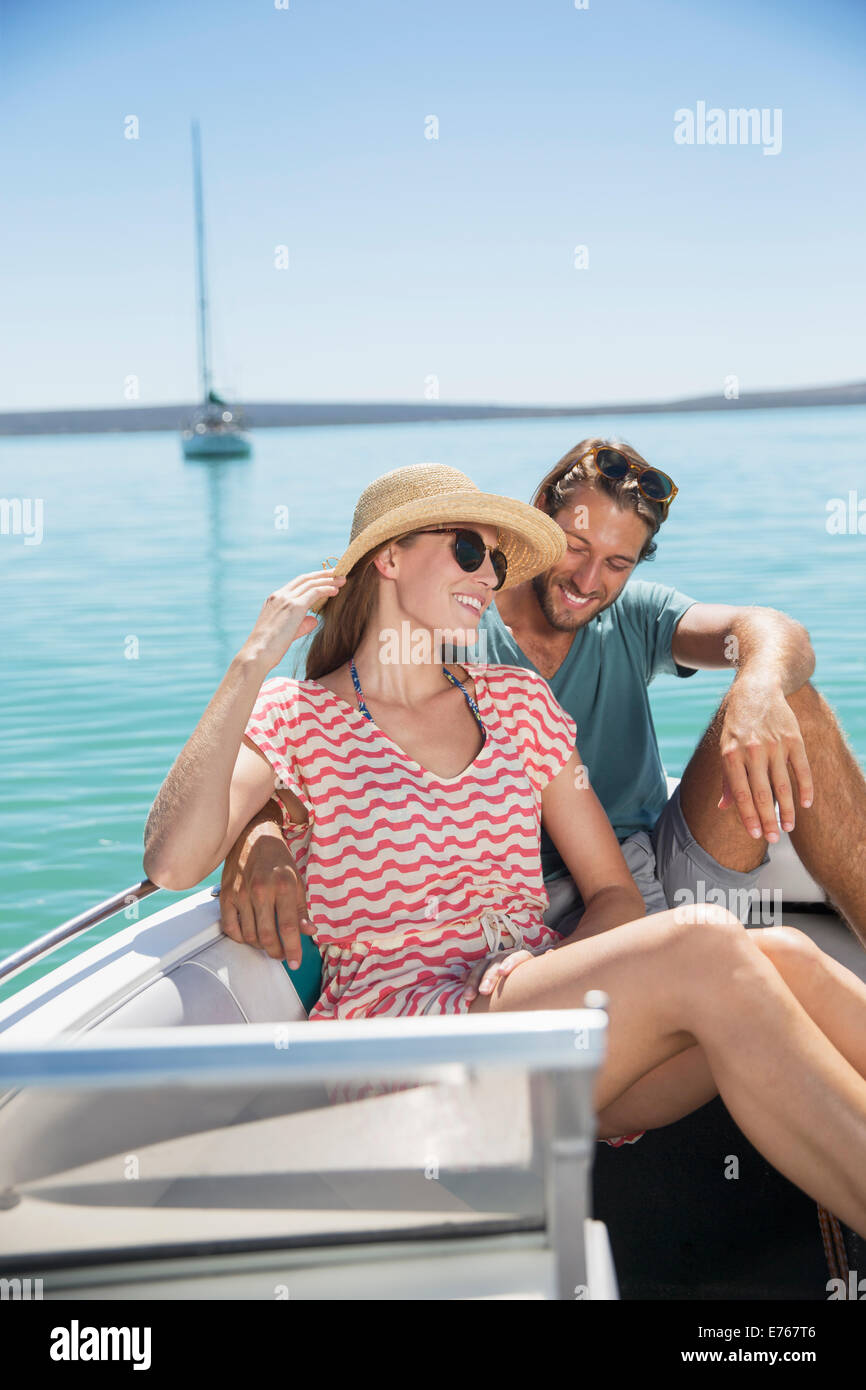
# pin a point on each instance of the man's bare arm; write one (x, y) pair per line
(262, 897)
(760, 737)
(759, 643)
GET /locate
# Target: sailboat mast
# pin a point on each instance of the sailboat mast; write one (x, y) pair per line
(203, 329)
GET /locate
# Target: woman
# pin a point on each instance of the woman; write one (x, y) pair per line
(415, 794)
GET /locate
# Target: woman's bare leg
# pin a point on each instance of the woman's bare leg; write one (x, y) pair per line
(833, 997)
(693, 976)
(663, 1096)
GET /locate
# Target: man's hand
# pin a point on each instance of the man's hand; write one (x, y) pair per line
(262, 898)
(760, 736)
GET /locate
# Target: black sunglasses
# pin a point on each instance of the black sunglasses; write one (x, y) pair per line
(469, 551)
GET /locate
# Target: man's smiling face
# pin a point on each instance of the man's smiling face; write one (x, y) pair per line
(604, 545)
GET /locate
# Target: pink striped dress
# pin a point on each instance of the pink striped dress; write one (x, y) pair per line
(411, 877)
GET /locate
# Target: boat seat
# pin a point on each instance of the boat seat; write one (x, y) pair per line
(224, 982)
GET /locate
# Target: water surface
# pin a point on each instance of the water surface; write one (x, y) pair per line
(119, 625)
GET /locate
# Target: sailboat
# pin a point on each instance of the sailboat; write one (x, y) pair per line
(215, 430)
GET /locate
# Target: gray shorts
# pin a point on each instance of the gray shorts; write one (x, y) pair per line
(669, 867)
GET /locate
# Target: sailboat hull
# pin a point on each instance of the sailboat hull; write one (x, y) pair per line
(222, 445)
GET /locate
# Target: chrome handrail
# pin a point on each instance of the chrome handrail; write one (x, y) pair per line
(293, 1054)
(44, 945)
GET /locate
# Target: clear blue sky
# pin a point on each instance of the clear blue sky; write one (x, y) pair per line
(411, 257)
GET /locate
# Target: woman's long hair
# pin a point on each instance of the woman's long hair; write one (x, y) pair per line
(346, 615)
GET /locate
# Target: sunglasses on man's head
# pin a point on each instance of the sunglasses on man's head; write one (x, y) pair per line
(651, 482)
(469, 551)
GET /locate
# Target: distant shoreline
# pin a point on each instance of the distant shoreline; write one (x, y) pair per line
(282, 414)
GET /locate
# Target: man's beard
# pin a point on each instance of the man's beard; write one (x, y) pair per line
(569, 622)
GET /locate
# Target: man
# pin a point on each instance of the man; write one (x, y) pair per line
(599, 641)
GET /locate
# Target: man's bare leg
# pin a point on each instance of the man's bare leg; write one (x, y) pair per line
(829, 836)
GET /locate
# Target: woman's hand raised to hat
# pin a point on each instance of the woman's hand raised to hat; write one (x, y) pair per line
(284, 617)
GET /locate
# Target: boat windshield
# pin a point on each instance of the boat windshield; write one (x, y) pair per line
(133, 1173)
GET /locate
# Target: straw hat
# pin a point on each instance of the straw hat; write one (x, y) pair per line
(409, 498)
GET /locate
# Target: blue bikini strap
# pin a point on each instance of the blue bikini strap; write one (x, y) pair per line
(469, 700)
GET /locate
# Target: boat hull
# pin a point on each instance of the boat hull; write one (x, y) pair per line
(220, 446)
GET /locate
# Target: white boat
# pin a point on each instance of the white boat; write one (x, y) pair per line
(216, 431)
(169, 1128)
(216, 428)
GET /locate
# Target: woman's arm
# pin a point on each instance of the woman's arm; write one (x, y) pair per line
(576, 822)
(217, 783)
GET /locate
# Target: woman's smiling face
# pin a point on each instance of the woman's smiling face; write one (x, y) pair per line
(430, 588)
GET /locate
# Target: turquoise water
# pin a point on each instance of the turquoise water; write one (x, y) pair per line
(151, 571)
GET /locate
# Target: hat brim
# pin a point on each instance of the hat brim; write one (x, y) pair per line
(532, 540)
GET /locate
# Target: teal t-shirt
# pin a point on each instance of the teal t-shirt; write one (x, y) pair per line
(602, 683)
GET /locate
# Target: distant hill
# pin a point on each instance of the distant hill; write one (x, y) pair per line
(272, 414)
